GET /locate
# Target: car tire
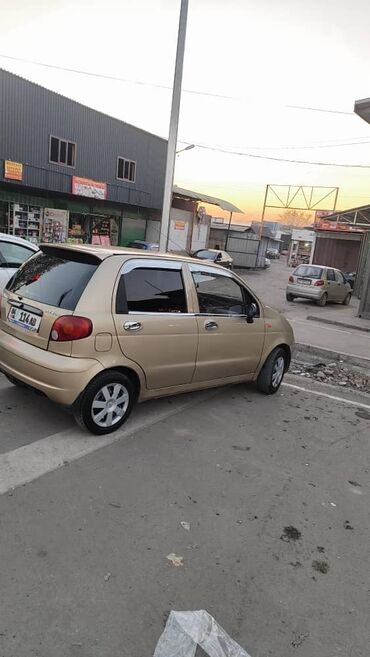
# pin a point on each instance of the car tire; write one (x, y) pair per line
(347, 299)
(322, 301)
(97, 410)
(289, 297)
(272, 373)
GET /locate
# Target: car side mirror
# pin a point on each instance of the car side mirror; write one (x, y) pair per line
(251, 313)
(218, 257)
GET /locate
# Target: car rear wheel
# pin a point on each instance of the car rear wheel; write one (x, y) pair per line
(272, 373)
(347, 299)
(322, 301)
(106, 403)
(290, 297)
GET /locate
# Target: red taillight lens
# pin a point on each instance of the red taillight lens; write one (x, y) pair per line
(319, 283)
(291, 279)
(70, 327)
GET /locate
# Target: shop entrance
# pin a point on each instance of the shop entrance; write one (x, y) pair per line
(4, 221)
(93, 229)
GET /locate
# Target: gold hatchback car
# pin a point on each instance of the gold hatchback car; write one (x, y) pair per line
(97, 329)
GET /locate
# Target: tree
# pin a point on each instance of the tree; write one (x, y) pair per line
(296, 218)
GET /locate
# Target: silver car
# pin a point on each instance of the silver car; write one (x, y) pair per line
(319, 283)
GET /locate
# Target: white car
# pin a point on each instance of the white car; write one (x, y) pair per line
(13, 252)
(215, 255)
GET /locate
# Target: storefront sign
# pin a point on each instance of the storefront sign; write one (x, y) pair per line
(333, 225)
(90, 188)
(179, 225)
(13, 170)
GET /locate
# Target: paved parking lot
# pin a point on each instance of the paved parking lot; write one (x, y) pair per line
(276, 493)
(270, 285)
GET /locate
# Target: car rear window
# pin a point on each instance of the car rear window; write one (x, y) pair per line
(209, 255)
(308, 272)
(55, 277)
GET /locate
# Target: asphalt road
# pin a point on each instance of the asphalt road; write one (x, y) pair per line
(270, 286)
(276, 491)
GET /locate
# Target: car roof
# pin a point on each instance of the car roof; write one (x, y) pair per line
(103, 252)
(318, 266)
(4, 237)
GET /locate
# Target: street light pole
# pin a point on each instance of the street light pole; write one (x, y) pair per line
(174, 122)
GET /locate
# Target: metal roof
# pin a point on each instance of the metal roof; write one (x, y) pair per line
(212, 200)
(355, 216)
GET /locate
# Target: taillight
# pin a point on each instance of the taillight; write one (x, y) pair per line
(70, 327)
(291, 279)
(319, 283)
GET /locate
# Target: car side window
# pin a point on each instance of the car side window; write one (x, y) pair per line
(330, 275)
(220, 295)
(13, 255)
(151, 290)
(339, 277)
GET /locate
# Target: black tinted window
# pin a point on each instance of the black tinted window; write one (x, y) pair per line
(220, 295)
(307, 271)
(204, 253)
(155, 291)
(51, 279)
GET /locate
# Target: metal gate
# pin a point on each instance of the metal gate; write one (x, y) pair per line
(247, 252)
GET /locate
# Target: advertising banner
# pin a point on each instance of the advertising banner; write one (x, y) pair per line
(90, 188)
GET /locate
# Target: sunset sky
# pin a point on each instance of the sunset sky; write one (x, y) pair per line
(246, 61)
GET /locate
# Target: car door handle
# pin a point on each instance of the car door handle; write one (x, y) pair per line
(210, 326)
(132, 326)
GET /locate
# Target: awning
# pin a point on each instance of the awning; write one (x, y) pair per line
(212, 200)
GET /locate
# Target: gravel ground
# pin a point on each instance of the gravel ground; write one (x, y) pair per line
(334, 373)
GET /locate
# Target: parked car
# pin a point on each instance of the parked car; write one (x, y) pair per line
(13, 252)
(98, 329)
(319, 283)
(215, 255)
(273, 254)
(144, 246)
(350, 278)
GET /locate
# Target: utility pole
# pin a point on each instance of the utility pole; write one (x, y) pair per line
(174, 123)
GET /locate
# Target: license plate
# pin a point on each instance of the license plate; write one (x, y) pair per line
(304, 281)
(24, 319)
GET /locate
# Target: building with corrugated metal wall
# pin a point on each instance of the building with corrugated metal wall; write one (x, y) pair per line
(101, 174)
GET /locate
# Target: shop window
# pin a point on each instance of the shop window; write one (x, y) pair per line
(126, 169)
(62, 151)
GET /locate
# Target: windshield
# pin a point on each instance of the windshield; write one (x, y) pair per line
(308, 272)
(52, 279)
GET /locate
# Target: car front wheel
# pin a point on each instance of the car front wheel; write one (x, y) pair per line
(106, 403)
(272, 373)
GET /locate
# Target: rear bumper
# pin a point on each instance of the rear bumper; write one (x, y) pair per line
(305, 291)
(60, 378)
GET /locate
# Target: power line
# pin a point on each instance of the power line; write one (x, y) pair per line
(159, 86)
(282, 159)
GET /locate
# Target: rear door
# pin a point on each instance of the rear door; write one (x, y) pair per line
(228, 345)
(45, 287)
(155, 322)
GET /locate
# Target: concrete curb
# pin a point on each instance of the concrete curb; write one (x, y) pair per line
(301, 349)
(334, 322)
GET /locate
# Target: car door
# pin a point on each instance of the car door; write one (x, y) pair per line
(228, 345)
(155, 323)
(331, 285)
(342, 287)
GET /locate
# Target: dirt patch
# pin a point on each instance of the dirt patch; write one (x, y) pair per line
(241, 448)
(363, 414)
(320, 566)
(291, 533)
